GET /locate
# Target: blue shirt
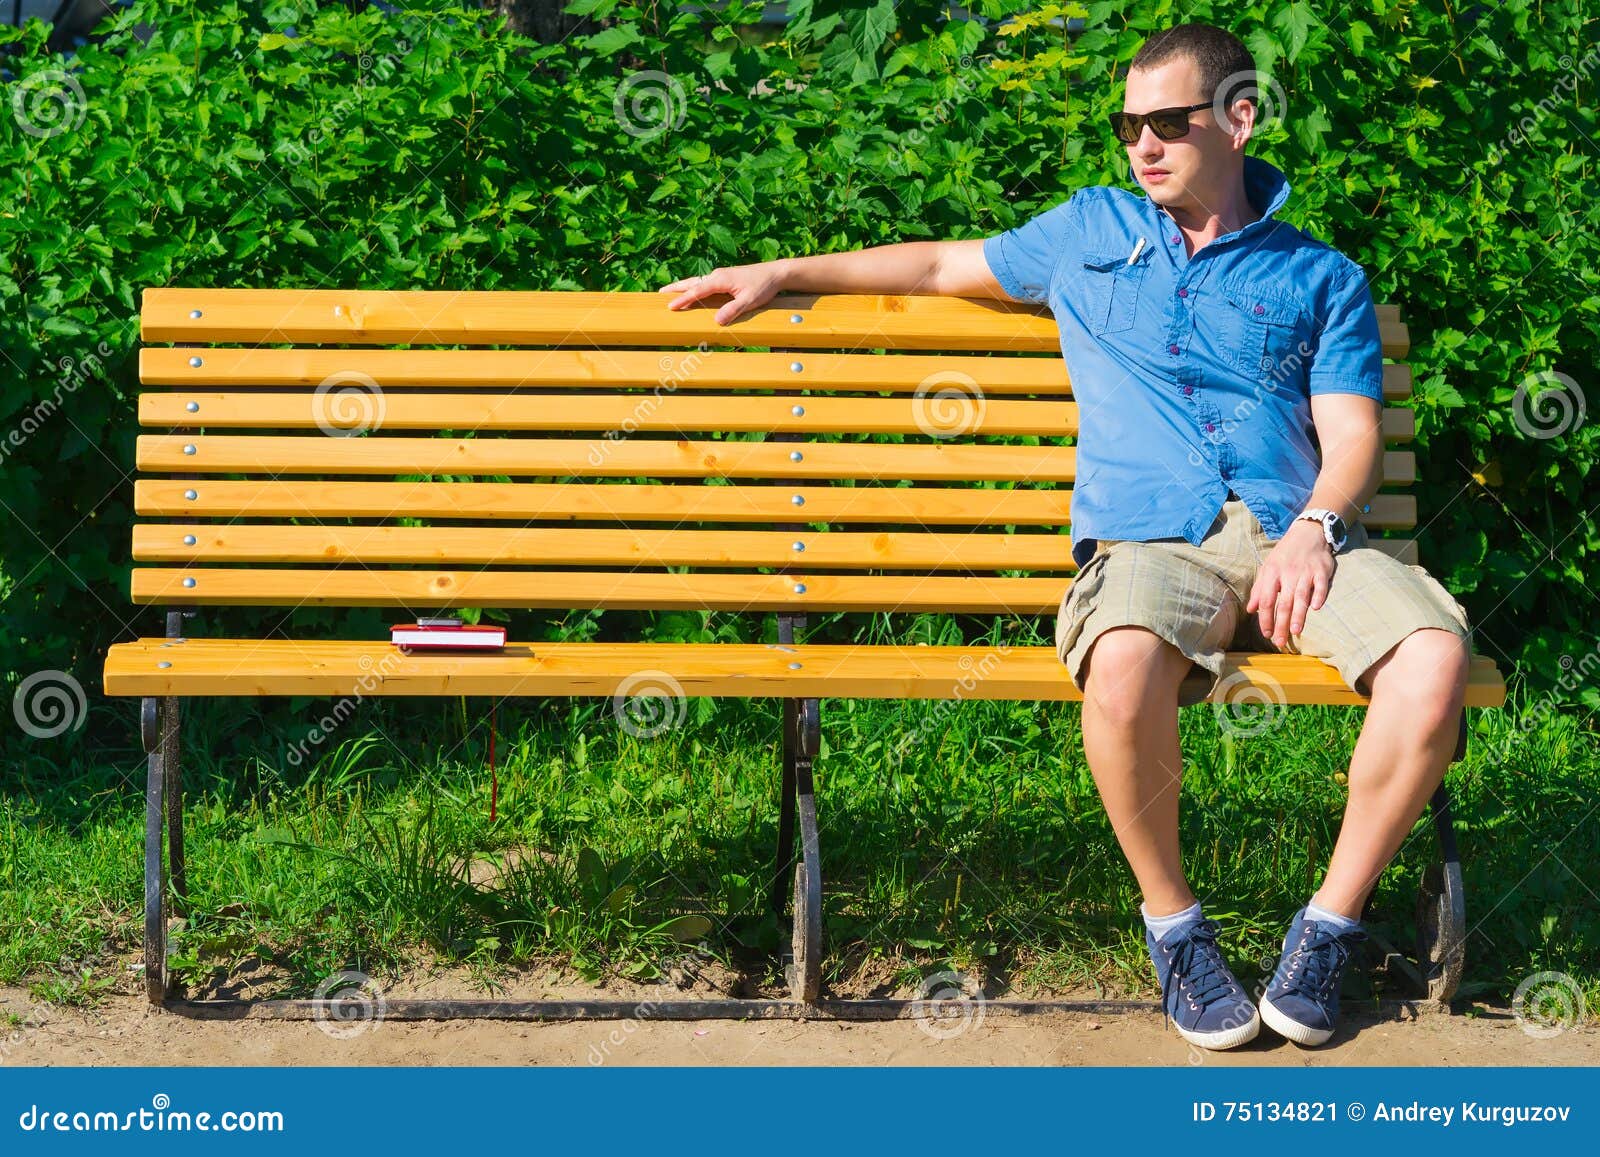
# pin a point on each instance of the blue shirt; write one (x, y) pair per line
(1193, 375)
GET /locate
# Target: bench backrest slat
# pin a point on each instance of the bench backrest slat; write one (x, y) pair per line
(666, 371)
(510, 317)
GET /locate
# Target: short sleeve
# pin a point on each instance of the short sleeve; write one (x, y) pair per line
(1347, 357)
(1023, 259)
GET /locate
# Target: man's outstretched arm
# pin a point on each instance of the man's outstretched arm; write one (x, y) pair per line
(943, 268)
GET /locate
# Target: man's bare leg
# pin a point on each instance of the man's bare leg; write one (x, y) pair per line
(1130, 738)
(1405, 746)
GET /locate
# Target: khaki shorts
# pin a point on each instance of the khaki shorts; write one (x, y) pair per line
(1194, 598)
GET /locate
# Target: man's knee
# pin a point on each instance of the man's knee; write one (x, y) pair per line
(1427, 669)
(1127, 667)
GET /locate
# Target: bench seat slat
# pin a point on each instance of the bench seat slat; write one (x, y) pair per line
(628, 457)
(665, 370)
(502, 317)
(618, 590)
(251, 667)
(961, 414)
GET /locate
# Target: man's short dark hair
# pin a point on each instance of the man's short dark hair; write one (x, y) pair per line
(1218, 53)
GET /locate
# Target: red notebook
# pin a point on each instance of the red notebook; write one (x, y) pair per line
(446, 635)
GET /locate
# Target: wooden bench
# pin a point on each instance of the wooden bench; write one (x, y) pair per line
(621, 459)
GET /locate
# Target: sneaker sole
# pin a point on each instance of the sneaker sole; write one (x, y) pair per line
(1226, 1038)
(1289, 1029)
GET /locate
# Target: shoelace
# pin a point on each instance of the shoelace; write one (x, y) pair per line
(1319, 960)
(1198, 962)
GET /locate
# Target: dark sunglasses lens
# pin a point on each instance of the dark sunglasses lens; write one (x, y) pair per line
(1169, 126)
(1122, 124)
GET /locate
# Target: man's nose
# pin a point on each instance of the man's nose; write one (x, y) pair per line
(1148, 144)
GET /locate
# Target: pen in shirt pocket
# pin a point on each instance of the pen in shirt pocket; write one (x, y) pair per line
(1137, 249)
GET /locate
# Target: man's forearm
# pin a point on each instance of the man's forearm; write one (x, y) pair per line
(1351, 474)
(905, 268)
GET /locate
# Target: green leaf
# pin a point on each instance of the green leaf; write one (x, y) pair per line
(612, 40)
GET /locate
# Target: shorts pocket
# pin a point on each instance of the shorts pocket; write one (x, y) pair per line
(1078, 602)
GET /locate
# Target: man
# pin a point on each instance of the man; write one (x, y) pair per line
(1207, 342)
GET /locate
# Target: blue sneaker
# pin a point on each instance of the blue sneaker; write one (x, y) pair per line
(1207, 1005)
(1302, 1002)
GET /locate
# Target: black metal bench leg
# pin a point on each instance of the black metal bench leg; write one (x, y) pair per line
(783, 874)
(151, 726)
(1441, 901)
(172, 777)
(802, 735)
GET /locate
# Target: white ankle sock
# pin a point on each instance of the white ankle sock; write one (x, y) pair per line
(1160, 925)
(1323, 916)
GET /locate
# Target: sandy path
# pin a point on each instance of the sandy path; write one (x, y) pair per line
(123, 1031)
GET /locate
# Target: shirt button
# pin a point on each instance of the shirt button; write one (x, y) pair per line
(1176, 239)
(1183, 293)
(1260, 309)
(1172, 349)
(1188, 389)
(1210, 429)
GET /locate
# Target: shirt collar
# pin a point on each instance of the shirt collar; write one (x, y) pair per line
(1264, 185)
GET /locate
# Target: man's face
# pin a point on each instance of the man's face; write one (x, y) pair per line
(1187, 173)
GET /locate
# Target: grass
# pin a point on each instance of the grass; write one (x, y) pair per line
(980, 847)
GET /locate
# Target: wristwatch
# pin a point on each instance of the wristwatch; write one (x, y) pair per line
(1333, 528)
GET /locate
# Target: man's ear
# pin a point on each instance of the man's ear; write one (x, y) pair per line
(1241, 122)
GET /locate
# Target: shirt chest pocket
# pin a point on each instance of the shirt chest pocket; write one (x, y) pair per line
(1111, 290)
(1262, 335)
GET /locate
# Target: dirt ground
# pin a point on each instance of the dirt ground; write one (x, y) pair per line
(122, 1030)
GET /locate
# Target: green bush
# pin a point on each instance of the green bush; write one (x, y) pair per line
(1450, 152)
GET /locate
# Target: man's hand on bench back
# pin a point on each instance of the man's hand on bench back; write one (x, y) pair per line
(947, 268)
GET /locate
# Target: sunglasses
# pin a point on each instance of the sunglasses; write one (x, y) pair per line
(1167, 123)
